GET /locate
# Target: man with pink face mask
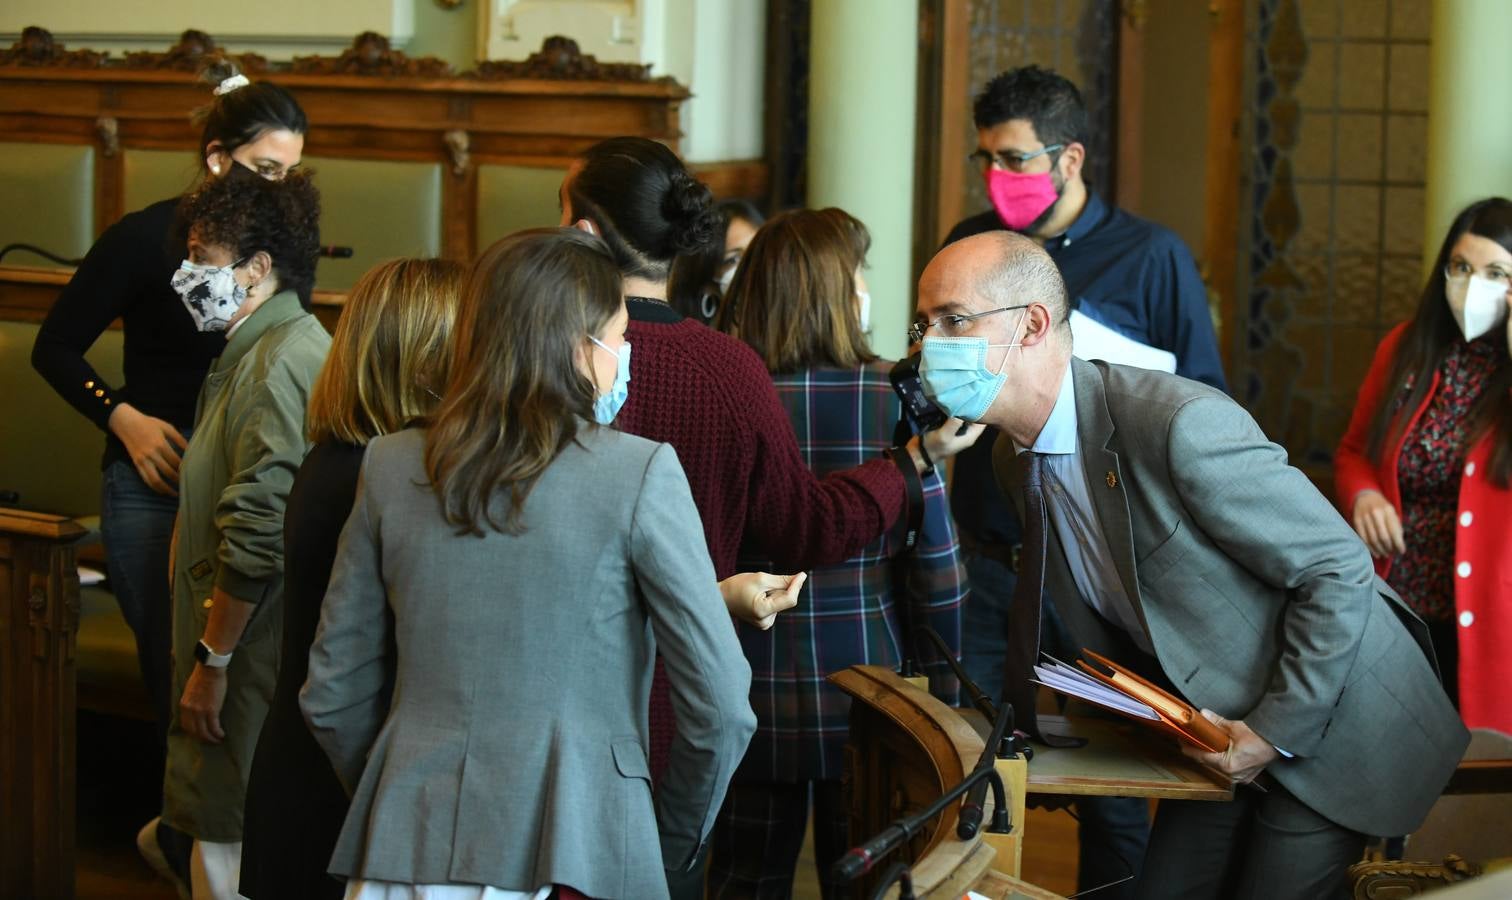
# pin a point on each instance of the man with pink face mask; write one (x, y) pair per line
(1126, 273)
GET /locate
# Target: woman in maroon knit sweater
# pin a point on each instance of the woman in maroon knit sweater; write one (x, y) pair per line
(709, 395)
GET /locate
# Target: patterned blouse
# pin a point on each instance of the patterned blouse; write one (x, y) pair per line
(1428, 473)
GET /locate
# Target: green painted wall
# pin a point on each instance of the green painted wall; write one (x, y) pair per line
(1469, 130)
(861, 149)
(451, 34)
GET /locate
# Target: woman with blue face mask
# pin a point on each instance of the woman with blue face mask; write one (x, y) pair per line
(800, 301)
(499, 595)
(1424, 472)
(248, 128)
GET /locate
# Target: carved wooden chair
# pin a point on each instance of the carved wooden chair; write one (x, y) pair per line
(1467, 833)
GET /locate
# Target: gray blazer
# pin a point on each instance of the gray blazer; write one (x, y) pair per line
(485, 699)
(1260, 600)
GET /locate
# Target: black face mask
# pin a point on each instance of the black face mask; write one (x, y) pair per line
(241, 172)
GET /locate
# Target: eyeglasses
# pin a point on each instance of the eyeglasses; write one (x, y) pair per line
(1012, 160)
(1459, 268)
(952, 325)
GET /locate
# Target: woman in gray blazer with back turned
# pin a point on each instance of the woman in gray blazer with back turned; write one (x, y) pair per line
(503, 585)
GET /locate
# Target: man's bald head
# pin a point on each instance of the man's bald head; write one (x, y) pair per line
(1002, 268)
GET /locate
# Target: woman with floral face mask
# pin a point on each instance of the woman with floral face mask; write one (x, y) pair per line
(1424, 472)
(252, 252)
(247, 128)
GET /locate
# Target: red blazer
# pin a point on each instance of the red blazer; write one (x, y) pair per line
(1482, 545)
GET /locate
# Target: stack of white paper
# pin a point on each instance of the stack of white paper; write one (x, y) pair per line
(1076, 683)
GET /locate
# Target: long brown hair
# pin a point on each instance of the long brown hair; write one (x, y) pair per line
(793, 298)
(391, 353)
(516, 395)
(1428, 339)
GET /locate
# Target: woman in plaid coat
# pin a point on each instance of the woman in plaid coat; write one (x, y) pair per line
(799, 300)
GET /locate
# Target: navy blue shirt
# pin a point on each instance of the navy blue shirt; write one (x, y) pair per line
(1130, 274)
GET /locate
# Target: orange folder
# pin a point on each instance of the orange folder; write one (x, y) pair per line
(1176, 715)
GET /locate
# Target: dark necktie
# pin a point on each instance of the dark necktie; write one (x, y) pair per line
(1024, 616)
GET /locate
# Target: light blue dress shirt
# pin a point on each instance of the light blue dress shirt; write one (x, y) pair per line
(1068, 502)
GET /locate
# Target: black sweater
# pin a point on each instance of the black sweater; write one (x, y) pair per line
(125, 276)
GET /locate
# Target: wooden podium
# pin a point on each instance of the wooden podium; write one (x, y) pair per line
(39, 621)
(906, 749)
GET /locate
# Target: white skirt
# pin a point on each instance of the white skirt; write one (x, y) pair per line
(360, 889)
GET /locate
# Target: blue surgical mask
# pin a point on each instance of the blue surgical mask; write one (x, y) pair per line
(955, 374)
(607, 406)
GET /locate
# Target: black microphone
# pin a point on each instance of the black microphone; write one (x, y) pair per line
(42, 252)
(336, 252)
(859, 860)
(970, 821)
(979, 698)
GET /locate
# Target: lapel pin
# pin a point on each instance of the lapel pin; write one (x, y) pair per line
(1112, 479)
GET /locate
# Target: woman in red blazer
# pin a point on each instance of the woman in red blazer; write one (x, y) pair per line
(1424, 472)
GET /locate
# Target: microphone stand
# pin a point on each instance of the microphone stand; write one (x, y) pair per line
(902, 876)
(859, 860)
(1000, 745)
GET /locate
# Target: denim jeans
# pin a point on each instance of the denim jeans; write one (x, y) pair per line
(1113, 831)
(137, 525)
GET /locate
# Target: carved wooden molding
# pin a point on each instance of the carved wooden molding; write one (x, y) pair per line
(193, 49)
(370, 54)
(457, 143)
(108, 129)
(37, 48)
(560, 58)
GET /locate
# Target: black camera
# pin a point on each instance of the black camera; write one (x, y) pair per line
(920, 410)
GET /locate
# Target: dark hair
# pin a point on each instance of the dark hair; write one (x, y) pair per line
(655, 217)
(739, 208)
(698, 273)
(245, 215)
(243, 115)
(794, 294)
(1048, 101)
(515, 394)
(1427, 340)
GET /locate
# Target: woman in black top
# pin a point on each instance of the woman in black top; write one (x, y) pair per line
(391, 344)
(248, 129)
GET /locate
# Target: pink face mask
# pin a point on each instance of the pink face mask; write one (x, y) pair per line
(1020, 199)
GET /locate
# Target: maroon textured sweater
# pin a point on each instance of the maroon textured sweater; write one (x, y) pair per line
(711, 398)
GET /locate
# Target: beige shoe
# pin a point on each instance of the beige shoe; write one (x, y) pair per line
(152, 852)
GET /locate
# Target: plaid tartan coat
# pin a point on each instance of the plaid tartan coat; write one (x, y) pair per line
(847, 613)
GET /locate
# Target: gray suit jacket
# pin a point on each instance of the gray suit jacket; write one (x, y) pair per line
(1260, 600)
(485, 699)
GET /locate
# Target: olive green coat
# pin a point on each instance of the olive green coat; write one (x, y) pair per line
(249, 439)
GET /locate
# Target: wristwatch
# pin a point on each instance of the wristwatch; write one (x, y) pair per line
(209, 658)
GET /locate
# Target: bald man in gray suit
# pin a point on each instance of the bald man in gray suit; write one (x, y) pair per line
(1181, 542)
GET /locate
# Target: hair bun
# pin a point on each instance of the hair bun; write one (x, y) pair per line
(689, 209)
(219, 69)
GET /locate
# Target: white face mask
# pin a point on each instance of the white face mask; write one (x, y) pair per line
(865, 298)
(210, 293)
(725, 278)
(1479, 304)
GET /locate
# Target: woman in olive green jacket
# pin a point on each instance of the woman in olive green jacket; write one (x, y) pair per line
(252, 251)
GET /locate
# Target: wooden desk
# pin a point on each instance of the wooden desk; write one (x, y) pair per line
(1120, 760)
